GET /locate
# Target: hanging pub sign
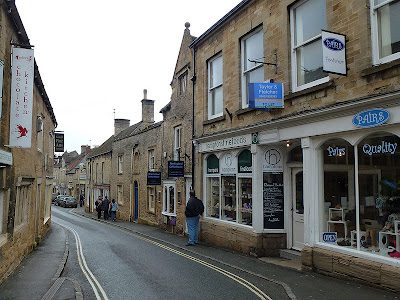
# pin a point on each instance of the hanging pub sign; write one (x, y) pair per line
(265, 95)
(153, 178)
(371, 118)
(176, 168)
(21, 98)
(59, 142)
(334, 52)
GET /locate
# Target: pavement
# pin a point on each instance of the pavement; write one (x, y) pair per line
(50, 257)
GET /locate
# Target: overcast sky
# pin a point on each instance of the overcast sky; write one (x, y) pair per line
(95, 56)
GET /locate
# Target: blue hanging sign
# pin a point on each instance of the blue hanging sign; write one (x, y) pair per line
(265, 95)
(371, 118)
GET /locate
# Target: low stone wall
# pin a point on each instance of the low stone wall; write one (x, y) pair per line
(351, 268)
(241, 239)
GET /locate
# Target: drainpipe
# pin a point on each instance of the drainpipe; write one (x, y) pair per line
(193, 79)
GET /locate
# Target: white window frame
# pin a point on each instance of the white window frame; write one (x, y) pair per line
(375, 34)
(183, 80)
(211, 88)
(295, 87)
(245, 96)
(167, 198)
(151, 160)
(177, 142)
(120, 163)
(151, 199)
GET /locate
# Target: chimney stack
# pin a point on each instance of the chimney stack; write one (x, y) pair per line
(147, 109)
(120, 124)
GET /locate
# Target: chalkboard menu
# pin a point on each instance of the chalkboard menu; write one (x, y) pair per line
(273, 200)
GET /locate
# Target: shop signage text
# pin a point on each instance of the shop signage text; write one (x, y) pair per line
(59, 142)
(329, 237)
(334, 53)
(336, 151)
(6, 158)
(176, 168)
(237, 141)
(265, 95)
(385, 147)
(153, 178)
(371, 118)
(21, 98)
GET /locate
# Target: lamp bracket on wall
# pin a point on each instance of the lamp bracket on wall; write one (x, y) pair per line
(267, 63)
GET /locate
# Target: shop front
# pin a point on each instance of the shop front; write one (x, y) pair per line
(243, 193)
(352, 213)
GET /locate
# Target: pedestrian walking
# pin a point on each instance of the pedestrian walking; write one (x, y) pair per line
(98, 203)
(81, 200)
(106, 207)
(114, 208)
(194, 208)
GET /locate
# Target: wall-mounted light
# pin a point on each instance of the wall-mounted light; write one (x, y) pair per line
(287, 143)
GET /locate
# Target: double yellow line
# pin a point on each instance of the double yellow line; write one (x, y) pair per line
(230, 275)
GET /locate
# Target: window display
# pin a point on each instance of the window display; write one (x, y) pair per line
(378, 192)
(245, 206)
(213, 200)
(229, 198)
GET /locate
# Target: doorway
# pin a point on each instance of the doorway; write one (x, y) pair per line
(136, 201)
(297, 209)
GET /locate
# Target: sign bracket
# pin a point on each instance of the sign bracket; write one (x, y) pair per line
(267, 63)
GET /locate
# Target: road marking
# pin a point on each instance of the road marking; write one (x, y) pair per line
(228, 274)
(84, 267)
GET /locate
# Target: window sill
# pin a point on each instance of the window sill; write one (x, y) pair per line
(215, 120)
(380, 68)
(316, 88)
(243, 111)
(168, 214)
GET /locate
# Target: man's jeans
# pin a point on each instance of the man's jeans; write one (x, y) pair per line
(193, 228)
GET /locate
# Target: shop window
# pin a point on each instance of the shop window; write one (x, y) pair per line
(378, 202)
(251, 49)
(245, 196)
(169, 199)
(215, 92)
(229, 198)
(385, 26)
(213, 199)
(308, 19)
(379, 193)
(339, 197)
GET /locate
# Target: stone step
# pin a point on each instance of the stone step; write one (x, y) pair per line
(290, 254)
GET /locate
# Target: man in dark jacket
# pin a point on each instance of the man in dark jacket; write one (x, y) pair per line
(105, 207)
(194, 208)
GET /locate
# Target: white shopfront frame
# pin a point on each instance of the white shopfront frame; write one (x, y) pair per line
(313, 165)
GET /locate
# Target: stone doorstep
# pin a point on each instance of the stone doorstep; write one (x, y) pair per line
(287, 263)
(290, 254)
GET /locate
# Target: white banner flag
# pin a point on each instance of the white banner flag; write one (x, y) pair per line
(21, 98)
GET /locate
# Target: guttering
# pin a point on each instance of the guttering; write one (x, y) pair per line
(219, 23)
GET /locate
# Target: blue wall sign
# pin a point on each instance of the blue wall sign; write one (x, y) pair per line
(176, 168)
(265, 95)
(329, 237)
(371, 118)
(153, 178)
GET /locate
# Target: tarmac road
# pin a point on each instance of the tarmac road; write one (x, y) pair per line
(133, 261)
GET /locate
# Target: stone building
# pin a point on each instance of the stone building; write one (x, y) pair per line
(98, 180)
(177, 146)
(137, 151)
(321, 174)
(26, 169)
